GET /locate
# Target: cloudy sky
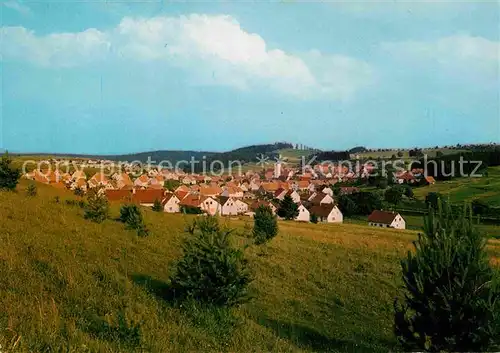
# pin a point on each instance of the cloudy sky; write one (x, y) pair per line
(114, 77)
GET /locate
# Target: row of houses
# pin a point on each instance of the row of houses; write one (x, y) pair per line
(226, 196)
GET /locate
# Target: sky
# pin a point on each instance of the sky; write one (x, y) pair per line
(109, 77)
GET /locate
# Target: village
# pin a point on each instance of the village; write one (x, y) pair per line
(311, 189)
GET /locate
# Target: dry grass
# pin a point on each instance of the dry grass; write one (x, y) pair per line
(66, 283)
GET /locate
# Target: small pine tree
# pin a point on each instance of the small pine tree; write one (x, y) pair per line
(97, 206)
(314, 218)
(131, 215)
(288, 209)
(9, 176)
(451, 300)
(265, 225)
(211, 271)
(31, 190)
(157, 206)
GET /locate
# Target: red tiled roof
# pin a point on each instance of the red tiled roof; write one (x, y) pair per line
(118, 195)
(147, 195)
(323, 210)
(383, 217)
(181, 194)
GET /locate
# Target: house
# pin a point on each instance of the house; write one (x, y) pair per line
(183, 188)
(188, 180)
(303, 185)
(304, 215)
(147, 197)
(348, 190)
(118, 195)
(207, 204)
(79, 174)
(269, 187)
(210, 191)
(242, 207)
(232, 191)
(293, 194)
(142, 181)
(405, 177)
(327, 190)
(430, 180)
(170, 203)
(99, 179)
(327, 213)
(181, 194)
(257, 203)
(228, 206)
(79, 183)
(280, 194)
(386, 219)
(321, 199)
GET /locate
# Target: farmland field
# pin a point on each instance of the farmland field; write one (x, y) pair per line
(486, 188)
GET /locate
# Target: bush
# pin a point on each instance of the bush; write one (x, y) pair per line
(31, 190)
(451, 300)
(211, 271)
(157, 206)
(347, 205)
(288, 209)
(314, 218)
(190, 209)
(265, 225)
(131, 215)
(79, 192)
(9, 176)
(394, 195)
(97, 207)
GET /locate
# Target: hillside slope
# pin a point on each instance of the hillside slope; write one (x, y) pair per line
(66, 282)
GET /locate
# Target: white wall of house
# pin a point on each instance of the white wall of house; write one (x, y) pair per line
(304, 214)
(241, 206)
(328, 191)
(211, 206)
(229, 208)
(398, 222)
(326, 200)
(172, 205)
(295, 196)
(335, 216)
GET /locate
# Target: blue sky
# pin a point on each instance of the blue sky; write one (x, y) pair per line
(116, 77)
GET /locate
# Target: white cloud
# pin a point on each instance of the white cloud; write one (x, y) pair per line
(58, 49)
(464, 55)
(18, 6)
(214, 49)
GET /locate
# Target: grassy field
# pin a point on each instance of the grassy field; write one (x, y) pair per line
(66, 283)
(486, 188)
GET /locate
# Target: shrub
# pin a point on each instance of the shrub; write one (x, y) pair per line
(31, 190)
(211, 271)
(314, 218)
(131, 215)
(288, 209)
(9, 176)
(265, 225)
(157, 206)
(394, 195)
(347, 205)
(190, 209)
(79, 192)
(97, 207)
(451, 301)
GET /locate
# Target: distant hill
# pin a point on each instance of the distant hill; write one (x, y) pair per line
(242, 154)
